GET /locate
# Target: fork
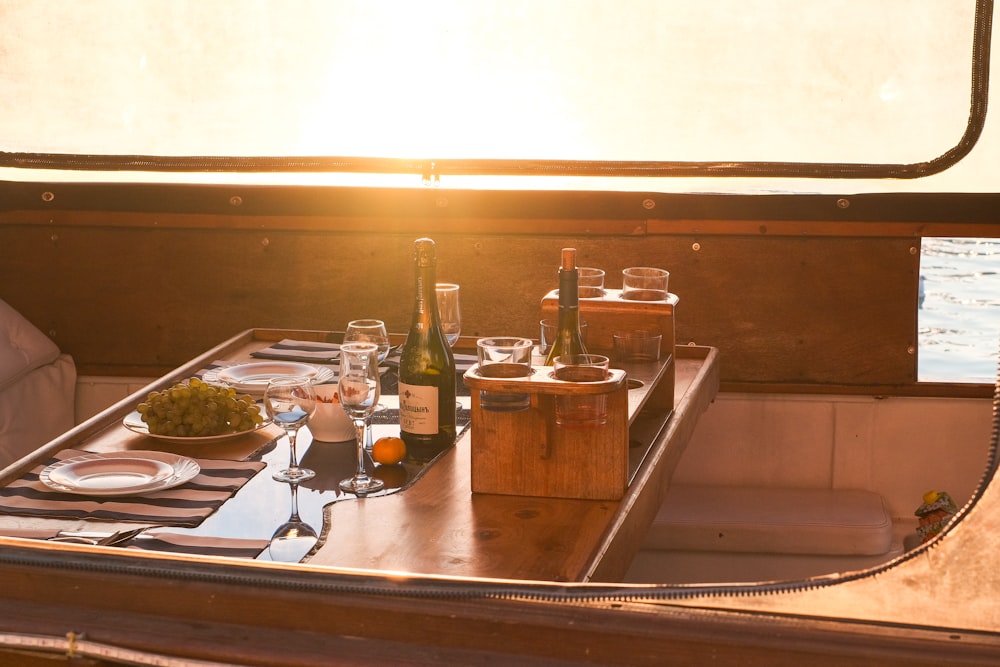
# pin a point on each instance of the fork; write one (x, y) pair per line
(98, 539)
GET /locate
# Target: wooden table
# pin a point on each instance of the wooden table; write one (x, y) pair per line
(437, 526)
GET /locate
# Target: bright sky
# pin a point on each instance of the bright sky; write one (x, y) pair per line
(729, 80)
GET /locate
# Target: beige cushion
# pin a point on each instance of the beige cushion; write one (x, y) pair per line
(22, 346)
(772, 520)
(36, 408)
(692, 567)
(37, 387)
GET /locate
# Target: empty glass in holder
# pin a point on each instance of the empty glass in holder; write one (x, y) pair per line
(504, 357)
(589, 282)
(637, 346)
(644, 283)
(581, 410)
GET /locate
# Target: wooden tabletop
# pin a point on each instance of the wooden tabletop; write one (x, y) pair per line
(436, 525)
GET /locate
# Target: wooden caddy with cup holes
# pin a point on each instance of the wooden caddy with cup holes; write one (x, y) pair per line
(526, 453)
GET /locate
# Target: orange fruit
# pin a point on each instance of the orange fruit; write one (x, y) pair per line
(388, 450)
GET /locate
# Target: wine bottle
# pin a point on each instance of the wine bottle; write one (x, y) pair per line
(426, 369)
(568, 339)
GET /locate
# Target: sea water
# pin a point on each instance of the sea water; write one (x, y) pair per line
(959, 317)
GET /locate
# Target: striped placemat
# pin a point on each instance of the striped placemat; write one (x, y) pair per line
(157, 539)
(186, 505)
(300, 350)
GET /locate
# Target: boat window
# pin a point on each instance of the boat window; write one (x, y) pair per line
(654, 95)
(959, 310)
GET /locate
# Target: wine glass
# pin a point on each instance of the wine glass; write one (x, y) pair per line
(293, 539)
(359, 390)
(369, 331)
(448, 311)
(289, 402)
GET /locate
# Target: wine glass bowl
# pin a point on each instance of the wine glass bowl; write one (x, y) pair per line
(290, 402)
(449, 311)
(359, 388)
(369, 331)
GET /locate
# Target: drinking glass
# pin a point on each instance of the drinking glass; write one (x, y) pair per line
(290, 402)
(590, 282)
(645, 283)
(581, 410)
(504, 357)
(369, 331)
(359, 389)
(449, 311)
(293, 539)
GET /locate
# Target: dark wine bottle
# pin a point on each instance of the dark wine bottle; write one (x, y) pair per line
(426, 369)
(568, 339)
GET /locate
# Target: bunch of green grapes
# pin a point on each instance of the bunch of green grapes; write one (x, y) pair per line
(196, 408)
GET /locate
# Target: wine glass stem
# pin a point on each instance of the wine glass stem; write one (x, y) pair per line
(360, 426)
(293, 459)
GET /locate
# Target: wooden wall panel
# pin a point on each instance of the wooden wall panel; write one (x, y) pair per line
(140, 298)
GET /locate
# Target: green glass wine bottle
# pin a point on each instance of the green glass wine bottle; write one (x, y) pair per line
(568, 339)
(426, 369)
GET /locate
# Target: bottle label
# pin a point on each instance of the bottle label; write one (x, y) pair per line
(418, 409)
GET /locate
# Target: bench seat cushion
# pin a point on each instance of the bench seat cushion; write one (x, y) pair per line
(23, 347)
(37, 387)
(772, 520)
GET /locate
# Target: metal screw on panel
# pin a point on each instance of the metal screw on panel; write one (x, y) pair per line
(911, 350)
(48, 196)
(236, 200)
(913, 250)
(648, 204)
(843, 203)
(696, 246)
(265, 242)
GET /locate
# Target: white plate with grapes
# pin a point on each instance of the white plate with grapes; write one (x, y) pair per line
(133, 422)
(195, 411)
(252, 378)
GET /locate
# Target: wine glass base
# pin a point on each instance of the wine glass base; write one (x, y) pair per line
(294, 475)
(361, 485)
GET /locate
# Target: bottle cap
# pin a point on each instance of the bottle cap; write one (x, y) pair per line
(568, 259)
(423, 253)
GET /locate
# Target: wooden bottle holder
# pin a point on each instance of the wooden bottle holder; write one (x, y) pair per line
(610, 313)
(527, 453)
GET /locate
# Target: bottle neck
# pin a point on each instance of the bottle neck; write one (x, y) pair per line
(425, 314)
(568, 286)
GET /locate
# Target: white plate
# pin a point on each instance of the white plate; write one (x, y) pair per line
(133, 422)
(119, 473)
(252, 378)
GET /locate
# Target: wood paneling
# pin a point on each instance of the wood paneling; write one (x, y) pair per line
(815, 292)
(142, 298)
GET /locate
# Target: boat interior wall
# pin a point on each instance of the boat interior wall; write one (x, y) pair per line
(787, 303)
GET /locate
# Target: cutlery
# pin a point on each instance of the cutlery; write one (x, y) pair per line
(97, 538)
